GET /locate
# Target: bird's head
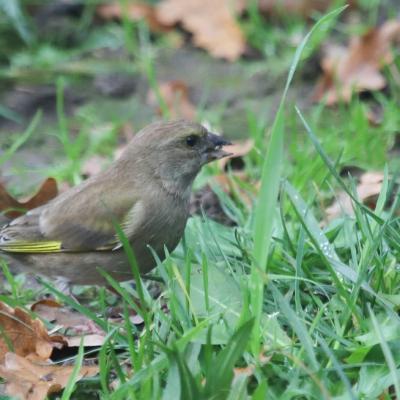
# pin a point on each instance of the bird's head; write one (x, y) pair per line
(177, 150)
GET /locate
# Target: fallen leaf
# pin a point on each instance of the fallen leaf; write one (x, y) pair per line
(238, 150)
(247, 371)
(230, 187)
(212, 23)
(368, 189)
(24, 335)
(236, 167)
(357, 67)
(250, 369)
(13, 208)
(65, 318)
(136, 319)
(134, 11)
(71, 321)
(47, 309)
(29, 380)
(175, 94)
(93, 340)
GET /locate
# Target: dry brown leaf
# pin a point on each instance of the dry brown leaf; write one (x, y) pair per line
(250, 369)
(24, 335)
(238, 150)
(175, 94)
(93, 340)
(357, 67)
(30, 380)
(247, 371)
(135, 11)
(15, 208)
(230, 187)
(70, 320)
(247, 195)
(212, 23)
(368, 190)
(235, 161)
(65, 318)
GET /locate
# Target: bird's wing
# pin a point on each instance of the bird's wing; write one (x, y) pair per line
(73, 223)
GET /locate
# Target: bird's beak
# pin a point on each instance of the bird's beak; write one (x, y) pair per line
(213, 150)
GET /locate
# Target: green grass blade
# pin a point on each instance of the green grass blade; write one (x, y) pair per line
(220, 376)
(189, 387)
(74, 304)
(11, 115)
(387, 353)
(13, 10)
(160, 362)
(70, 387)
(298, 326)
(331, 166)
(270, 180)
(338, 368)
(271, 169)
(22, 138)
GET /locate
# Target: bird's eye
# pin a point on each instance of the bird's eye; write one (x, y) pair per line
(192, 140)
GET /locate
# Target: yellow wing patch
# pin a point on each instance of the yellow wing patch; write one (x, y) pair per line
(31, 247)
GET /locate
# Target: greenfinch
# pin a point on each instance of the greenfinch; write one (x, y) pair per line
(146, 192)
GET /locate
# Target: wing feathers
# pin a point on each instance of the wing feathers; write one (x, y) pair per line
(24, 234)
(31, 247)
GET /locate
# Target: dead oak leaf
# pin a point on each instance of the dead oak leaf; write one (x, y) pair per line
(368, 189)
(134, 10)
(206, 200)
(24, 335)
(212, 23)
(71, 321)
(237, 150)
(92, 340)
(357, 67)
(30, 380)
(65, 318)
(13, 208)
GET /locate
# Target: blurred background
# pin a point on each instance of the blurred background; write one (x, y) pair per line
(79, 78)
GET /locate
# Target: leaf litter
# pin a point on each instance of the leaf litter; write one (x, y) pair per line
(212, 23)
(25, 335)
(26, 348)
(13, 208)
(35, 380)
(357, 67)
(368, 189)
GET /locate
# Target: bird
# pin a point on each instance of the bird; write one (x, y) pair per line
(146, 191)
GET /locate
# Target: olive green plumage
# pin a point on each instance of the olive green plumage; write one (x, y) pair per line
(146, 191)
